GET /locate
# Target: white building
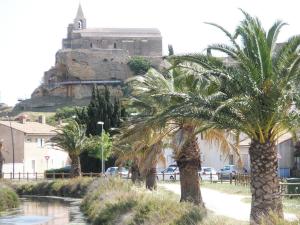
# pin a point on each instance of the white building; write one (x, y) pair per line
(28, 143)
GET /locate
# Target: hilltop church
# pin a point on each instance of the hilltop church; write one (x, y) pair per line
(92, 56)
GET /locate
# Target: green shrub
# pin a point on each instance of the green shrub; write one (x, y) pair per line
(139, 65)
(8, 198)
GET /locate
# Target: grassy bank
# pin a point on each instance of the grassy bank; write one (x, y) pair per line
(75, 188)
(8, 198)
(114, 201)
(227, 188)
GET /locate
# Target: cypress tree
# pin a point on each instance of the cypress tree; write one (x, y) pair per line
(102, 107)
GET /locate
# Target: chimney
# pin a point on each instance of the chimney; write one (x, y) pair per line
(22, 118)
(42, 119)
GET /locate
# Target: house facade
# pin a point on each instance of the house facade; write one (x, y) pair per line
(212, 155)
(26, 146)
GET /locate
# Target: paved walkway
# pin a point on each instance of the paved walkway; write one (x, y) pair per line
(224, 204)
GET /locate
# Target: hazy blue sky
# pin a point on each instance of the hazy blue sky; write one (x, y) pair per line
(32, 30)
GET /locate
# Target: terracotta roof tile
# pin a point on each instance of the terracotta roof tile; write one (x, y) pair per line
(31, 127)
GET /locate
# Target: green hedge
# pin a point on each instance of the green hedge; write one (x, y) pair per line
(115, 201)
(75, 188)
(8, 198)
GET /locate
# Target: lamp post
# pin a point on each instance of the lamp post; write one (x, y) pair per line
(13, 146)
(102, 160)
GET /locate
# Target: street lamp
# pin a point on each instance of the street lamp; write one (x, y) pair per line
(102, 160)
(13, 146)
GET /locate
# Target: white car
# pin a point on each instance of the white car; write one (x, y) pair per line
(170, 173)
(208, 174)
(113, 171)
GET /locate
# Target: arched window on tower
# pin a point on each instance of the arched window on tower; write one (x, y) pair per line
(79, 24)
(115, 45)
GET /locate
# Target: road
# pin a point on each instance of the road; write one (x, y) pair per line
(224, 204)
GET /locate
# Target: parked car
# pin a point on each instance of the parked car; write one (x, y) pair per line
(227, 170)
(113, 171)
(170, 173)
(209, 174)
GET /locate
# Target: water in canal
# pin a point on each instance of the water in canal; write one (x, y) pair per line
(45, 211)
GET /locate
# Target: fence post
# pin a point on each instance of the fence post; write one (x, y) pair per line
(36, 176)
(27, 176)
(53, 176)
(237, 177)
(63, 175)
(210, 176)
(163, 173)
(230, 178)
(221, 178)
(19, 176)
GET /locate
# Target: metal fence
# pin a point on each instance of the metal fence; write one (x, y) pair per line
(286, 189)
(43, 176)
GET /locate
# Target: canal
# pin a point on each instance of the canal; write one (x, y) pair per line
(45, 211)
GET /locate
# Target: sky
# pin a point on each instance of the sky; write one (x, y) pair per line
(32, 30)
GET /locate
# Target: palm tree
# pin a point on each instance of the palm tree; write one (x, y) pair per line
(71, 138)
(168, 91)
(143, 145)
(257, 94)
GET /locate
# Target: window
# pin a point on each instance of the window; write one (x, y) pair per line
(79, 24)
(40, 142)
(28, 139)
(33, 166)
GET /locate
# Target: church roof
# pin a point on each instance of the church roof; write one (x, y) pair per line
(79, 12)
(119, 32)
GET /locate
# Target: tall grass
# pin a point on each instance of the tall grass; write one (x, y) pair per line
(76, 187)
(114, 201)
(8, 198)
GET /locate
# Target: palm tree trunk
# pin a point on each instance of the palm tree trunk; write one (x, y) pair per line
(189, 163)
(135, 173)
(75, 166)
(151, 181)
(265, 186)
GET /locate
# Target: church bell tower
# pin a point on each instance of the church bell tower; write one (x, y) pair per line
(79, 21)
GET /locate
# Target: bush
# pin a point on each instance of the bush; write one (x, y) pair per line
(75, 188)
(66, 169)
(115, 201)
(139, 65)
(8, 198)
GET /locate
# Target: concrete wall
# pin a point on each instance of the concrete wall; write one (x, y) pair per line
(5, 135)
(211, 154)
(286, 152)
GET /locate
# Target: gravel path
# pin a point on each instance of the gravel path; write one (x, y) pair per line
(224, 204)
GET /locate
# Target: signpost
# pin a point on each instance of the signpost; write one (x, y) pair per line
(47, 158)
